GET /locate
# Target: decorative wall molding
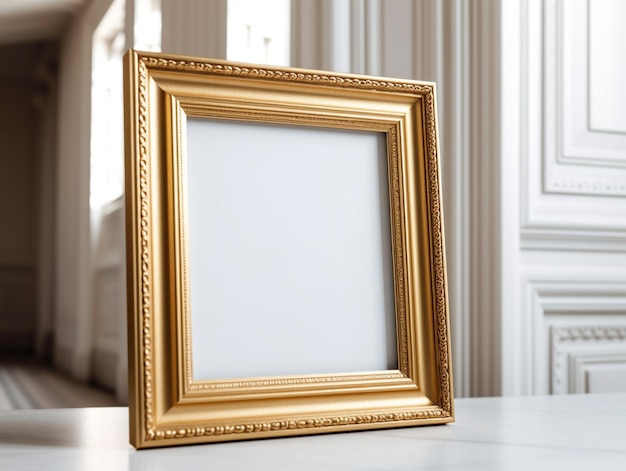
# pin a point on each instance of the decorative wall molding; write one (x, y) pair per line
(574, 347)
(586, 333)
(581, 295)
(607, 73)
(566, 239)
(572, 178)
(598, 372)
(560, 317)
(577, 158)
(562, 181)
(568, 343)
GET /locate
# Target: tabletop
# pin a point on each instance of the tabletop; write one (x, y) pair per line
(576, 432)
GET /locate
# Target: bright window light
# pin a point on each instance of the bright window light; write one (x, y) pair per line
(148, 25)
(107, 99)
(107, 108)
(259, 31)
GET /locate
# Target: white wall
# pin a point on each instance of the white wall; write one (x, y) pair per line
(565, 330)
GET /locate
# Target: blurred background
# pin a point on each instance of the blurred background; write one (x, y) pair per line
(532, 119)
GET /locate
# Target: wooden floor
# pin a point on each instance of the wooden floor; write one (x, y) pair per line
(28, 384)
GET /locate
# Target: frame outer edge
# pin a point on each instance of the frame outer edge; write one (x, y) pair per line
(135, 370)
(441, 295)
(139, 270)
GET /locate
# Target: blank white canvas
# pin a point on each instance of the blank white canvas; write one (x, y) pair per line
(290, 253)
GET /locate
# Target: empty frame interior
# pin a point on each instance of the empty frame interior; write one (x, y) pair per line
(289, 243)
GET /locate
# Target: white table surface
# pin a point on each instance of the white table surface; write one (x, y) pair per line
(582, 432)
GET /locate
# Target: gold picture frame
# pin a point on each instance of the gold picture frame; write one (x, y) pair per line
(168, 405)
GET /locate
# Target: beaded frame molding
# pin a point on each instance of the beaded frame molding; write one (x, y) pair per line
(166, 405)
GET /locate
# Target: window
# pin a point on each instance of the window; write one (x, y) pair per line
(107, 108)
(259, 31)
(148, 25)
(107, 96)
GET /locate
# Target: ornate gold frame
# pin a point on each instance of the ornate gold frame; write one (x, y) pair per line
(166, 406)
